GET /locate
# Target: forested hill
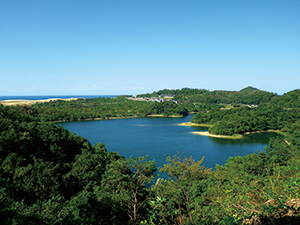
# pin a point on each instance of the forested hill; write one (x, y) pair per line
(102, 108)
(290, 99)
(51, 176)
(278, 114)
(248, 95)
(248, 89)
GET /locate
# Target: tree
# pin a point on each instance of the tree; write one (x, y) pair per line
(184, 186)
(125, 182)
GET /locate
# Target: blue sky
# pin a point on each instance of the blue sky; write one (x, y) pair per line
(56, 47)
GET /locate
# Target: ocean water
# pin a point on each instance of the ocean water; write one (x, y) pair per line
(42, 97)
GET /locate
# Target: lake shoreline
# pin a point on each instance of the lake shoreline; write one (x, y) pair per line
(235, 136)
(118, 118)
(15, 102)
(190, 124)
(160, 136)
(206, 133)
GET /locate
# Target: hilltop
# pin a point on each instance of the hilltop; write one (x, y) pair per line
(248, 90)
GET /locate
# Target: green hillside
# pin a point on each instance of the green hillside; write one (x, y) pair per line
(248, 90)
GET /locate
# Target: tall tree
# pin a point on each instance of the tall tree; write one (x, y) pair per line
(124, 182)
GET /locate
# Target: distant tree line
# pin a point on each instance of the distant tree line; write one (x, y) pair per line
(245, 96)
(102, 108)
(188, 101)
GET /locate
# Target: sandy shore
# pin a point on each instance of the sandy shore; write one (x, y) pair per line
(235, 136)
(31, 102)
(195, 124)
(206, 133)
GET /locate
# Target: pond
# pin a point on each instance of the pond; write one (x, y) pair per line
(157, 137)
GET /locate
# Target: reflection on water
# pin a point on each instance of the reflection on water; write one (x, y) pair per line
(159, 136)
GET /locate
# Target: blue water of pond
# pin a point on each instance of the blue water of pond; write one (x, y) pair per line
(156, 137)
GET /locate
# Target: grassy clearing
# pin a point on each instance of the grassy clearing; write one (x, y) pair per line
(229, 106)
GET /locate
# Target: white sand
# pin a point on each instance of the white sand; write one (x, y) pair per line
(31, 102)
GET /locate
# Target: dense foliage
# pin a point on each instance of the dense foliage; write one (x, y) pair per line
(244, 119)
(49, 175)
(248, 89)
(288, 100)
(279, 114)
(231, 97)
(247, 95)
(101, 108)
(175, 92)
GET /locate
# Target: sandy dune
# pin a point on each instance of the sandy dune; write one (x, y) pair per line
(31, 102)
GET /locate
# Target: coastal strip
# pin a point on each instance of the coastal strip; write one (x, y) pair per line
(31, 102)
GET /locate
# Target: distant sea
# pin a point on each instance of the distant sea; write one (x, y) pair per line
(42, 97)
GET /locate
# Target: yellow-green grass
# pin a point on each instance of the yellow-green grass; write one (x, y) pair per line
(228, 106)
